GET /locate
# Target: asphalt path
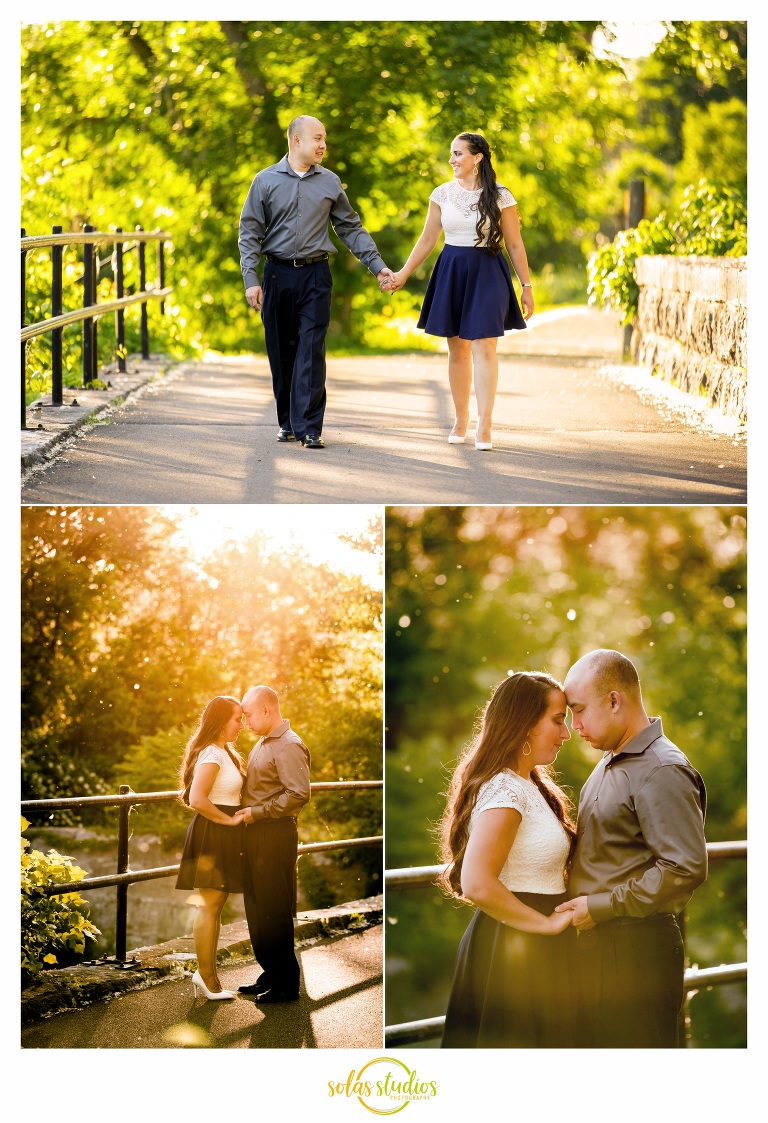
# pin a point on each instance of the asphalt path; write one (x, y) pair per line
(340, 1007)
(567, 429)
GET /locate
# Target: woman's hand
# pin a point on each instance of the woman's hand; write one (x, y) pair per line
(239, 817)
(396, 282)
(527, 302)
(558, 922)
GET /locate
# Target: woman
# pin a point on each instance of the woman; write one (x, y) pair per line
(469, 297)
(507, 835)
(212, 775)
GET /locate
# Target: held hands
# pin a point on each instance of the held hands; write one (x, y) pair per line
(579, 913)
(254, 297)
(558, 922)
(390, 282)
(242, 816)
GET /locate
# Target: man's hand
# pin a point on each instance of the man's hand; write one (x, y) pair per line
(581, 918)
(385, 279)
(246, 815)
(254, 297)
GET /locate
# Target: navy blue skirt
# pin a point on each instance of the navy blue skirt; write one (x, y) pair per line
(514, 989)
(470, 294)
(211, 858)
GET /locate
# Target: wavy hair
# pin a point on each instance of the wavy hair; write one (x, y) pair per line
(514, 707)
(488, 209)
(215, 716)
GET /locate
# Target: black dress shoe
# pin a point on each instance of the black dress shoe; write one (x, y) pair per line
(276, 996)
(285, 435)
(254, 988)
(312, 441)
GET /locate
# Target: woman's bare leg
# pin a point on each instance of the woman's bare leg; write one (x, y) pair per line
(206, 934)
(486, 368)
(460, 381)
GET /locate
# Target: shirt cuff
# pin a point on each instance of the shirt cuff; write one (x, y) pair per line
(251, 278)
(376, 266)
(599, 906)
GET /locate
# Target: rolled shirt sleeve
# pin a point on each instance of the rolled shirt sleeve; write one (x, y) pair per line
(346, 222)
(669, 814)
(251, 234)
(293, 771)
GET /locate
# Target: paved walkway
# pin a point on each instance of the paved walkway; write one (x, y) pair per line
(340, 1007)
(571, 426)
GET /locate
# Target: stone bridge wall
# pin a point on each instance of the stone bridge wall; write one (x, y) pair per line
(691, 325)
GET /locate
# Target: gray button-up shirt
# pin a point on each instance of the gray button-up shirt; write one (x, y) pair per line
(287, 215)
(640, 844)
(277, 782)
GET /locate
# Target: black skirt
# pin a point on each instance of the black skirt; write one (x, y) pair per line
(513, 989)
(470, 294)
(211, 858)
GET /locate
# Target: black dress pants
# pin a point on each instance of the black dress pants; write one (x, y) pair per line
(631, 980)
(296, 313)
(269, 859)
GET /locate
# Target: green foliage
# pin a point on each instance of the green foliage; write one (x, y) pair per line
(315, 887)
(476, 592)
(711, 221)
(55, 929)
(715, 145)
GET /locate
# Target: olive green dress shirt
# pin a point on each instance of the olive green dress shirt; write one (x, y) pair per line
(640, 847)
(277, 780)
(287, 215)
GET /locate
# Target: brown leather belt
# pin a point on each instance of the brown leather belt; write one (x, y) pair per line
(297, 262)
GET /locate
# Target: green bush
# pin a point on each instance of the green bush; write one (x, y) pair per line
(52, 928)
(711, 221)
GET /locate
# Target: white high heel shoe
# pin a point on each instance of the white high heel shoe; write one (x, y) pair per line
(484, 446)
(197, 981)
(455, 440)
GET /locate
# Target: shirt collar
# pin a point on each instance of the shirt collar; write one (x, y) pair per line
(284, 166)
(278, 731)
(639, 742)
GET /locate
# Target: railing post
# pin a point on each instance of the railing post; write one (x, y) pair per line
(635, 212)
(87, 300)
(121, 919)
(94, 321)
(161, 271)
(24, 343)
(120, 329)
(57, 382)
(143, 286)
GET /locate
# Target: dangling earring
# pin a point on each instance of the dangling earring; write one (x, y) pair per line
(477, 168)
(529, 749)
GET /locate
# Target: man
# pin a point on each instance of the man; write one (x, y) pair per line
(285, 219)
(275, 790)
(640, 853)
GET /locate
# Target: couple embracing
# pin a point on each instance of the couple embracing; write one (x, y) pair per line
(470, 300)
(244, 838)
(576, 940)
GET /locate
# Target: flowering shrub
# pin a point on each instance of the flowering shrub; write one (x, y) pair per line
(50, 924)
(711, 221)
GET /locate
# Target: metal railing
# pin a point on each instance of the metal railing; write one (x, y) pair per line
(421, 877)
(125, 876)
(91, 310)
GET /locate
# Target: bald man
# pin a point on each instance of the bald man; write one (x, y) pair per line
(285, 220)
(640, 853)
(275, 790)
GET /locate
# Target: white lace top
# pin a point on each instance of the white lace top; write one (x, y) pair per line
(229, 782)
(536, 862)
(458, 211)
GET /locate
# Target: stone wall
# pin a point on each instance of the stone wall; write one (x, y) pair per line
(691, 326)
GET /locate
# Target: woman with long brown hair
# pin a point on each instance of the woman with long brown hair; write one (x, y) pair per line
(507, 836)
(211, 775)
(470, 299)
